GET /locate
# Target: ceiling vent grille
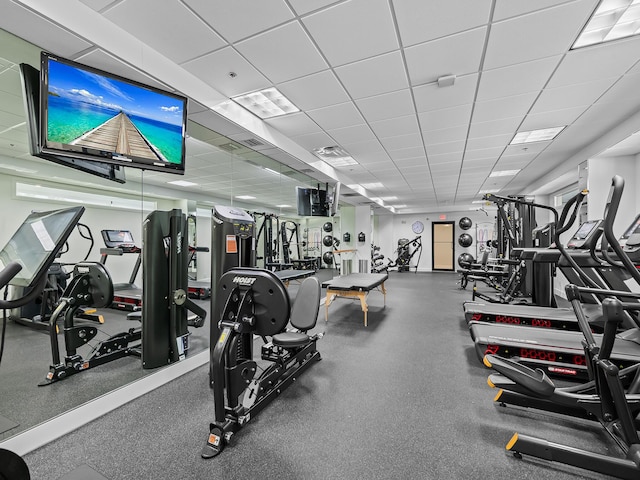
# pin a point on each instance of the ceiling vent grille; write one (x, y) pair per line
(230, 147)
(252, 142)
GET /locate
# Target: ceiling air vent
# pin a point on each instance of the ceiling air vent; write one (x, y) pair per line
(230, 147)
(251, 142)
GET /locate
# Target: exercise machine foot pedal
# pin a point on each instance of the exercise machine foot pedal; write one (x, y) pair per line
(215, 442)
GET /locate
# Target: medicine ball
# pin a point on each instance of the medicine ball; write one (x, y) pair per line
(465, 223)
(465, 260)
(327, 241)
(327, 257)
(327, 227)
(465, 240)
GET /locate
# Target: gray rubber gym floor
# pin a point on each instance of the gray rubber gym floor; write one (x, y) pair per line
(404, 398)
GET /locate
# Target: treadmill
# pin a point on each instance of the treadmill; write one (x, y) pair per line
(560, 353)
(127, 296)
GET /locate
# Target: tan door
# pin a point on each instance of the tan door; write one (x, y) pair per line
(442, 245)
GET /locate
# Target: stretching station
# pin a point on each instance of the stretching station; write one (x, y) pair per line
(354, 285)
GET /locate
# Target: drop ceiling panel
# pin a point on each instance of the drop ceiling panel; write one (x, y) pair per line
(583, 94)
(456, 54)
(352, 134)
(511, 8)
(189, 36)
(314, 140)
(216, 123)
(314, 91)
(441, 148)
(516, 79)
(412, 162)
(256, 17)
(402, 141)
(519, 39)
(488, 142)
(283, 53)
(432, 97)
(294, 124)
(336, 116)
(395, 126)
(445, 118)
(215, 69)
(354, 30)
(389, 105)
(406, 153)
(374, 76)
(305, 6)
(445, 158)
(420, 21)
(96, 5)
(504, 107)
(445, 135)
(503, 126)
(556, 118)
(624, 90)
(612, 59)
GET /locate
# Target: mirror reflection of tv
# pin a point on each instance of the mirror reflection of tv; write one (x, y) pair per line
(91, 114)
(312, 202)
(37, 242)
(30, 83)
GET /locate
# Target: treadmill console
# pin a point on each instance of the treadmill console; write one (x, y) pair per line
(585, 236)
(122, 239)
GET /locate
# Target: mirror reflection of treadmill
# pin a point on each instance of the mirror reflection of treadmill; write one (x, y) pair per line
(127, 296)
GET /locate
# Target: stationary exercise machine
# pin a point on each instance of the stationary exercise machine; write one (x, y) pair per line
(164, 336)
(257, 303)
(407, 249)
(127, 296)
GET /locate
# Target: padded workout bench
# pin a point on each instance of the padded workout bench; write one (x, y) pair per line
(354, 285)
(287, 276)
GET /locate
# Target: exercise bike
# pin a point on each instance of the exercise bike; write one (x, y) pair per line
(256, 302)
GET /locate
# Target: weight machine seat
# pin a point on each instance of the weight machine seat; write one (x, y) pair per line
(304, 315)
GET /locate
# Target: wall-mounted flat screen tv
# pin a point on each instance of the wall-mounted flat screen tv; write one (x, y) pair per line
(94, 115)
(30, 84)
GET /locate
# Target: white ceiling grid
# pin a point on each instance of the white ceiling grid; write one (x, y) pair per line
(364, 75)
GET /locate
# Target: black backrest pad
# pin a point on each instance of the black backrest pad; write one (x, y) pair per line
(305, 308)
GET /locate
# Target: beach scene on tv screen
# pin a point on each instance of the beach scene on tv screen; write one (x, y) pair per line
(86, 109)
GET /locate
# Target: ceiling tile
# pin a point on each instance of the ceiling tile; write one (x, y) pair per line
(395, 126)
(373, 76)
(512, 8)
(445, 135)
(445, 118)
(406, 153)
(555, 118)
(336, 116)
(453, 55)
(352, 134)
(583, 94)
(389, 105)
(432, 97)
(371, 149)
(283, 53)
(314, 91)
(256, 17)
(420, 21)
(503, 107)
(190, 37)
(305, 6)
(214, 69)
(402, 141)
(314, 140)
(503, 126)
(516, 79)
(353, 30)
(612, 59)
(442, 148)
(294, 124)
(519, 39)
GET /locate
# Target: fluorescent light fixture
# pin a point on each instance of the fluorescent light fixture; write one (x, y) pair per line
(271, 171)
(479, 201)
(373, 185)
(334, 155)
(504, 173)
(398, 206)
(283, 206)
(183, 183)
(541, 135)
(613, 19)
(245, 197)
(266, 103)
(388, 199)
(491, 190)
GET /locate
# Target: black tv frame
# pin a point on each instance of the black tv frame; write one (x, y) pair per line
(94, 154)
(30, 83)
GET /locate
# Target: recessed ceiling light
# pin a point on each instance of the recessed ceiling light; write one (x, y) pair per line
(504, 173)
(541, 135)
(245, 197)
(613, 19)
(373, 185)
(266, 103)
(182, 183)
